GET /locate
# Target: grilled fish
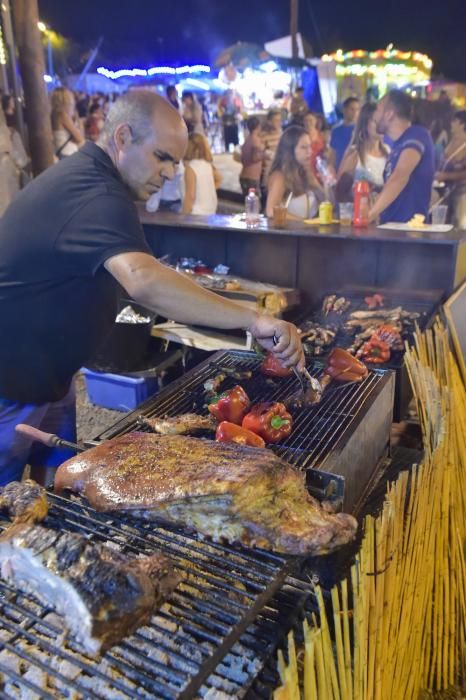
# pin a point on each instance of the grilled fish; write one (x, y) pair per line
(228, 492)
(103, 595)
(179, 425)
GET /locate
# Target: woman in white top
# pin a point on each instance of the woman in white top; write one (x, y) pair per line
(291, 173)
(67, 135)
(201, 179)
(366, 155)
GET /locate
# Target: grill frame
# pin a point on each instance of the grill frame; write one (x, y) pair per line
(234, 585)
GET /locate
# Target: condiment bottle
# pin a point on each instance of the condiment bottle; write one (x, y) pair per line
(361, 203)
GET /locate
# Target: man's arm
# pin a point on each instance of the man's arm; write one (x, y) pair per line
(176, 297)
(397, 181)
(451, 176)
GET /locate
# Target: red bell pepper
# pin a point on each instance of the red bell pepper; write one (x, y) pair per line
(272, 367)
(344, 367)
(269, 420)
(230, 432)
(375, 351)
(374, 301)
(231, 406)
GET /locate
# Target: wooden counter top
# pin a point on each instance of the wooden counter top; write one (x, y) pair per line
(224, 222)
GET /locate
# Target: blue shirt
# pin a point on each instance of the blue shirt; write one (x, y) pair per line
(340, 140)
(415, 197)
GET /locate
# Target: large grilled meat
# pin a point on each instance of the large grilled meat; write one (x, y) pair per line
(103, 595)
(226, 491)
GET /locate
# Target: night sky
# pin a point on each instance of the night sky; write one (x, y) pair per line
(149, 32)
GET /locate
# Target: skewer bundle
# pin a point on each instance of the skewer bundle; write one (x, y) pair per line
(398, 625)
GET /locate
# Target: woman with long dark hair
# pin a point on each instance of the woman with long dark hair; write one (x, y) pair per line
(291, 174)
(453, 170)
(366, 155)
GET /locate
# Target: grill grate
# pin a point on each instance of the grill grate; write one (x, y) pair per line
(316, 430)
(223, 591)
(425, 307)
(236, 674)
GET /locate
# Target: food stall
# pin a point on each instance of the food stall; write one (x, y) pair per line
(358, 72)
(232, 605)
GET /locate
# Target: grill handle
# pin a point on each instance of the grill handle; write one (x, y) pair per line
(47, 439)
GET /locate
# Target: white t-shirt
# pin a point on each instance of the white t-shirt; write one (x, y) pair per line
(205, 201)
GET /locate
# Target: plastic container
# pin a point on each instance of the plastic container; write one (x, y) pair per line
(362, 192)
(117, 391)
(326, 173)
(252, 206)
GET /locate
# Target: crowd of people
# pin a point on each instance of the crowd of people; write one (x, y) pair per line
(290, 154)
(410, 167)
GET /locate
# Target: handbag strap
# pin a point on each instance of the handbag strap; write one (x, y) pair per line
(59, 151)
(455, 152)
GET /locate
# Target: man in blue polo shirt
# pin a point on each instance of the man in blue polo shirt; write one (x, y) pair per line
(409, 171)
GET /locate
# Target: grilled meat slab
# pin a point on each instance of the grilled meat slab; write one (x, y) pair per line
(228, 492)
(24, 501)
(180, 425)
(103, 595)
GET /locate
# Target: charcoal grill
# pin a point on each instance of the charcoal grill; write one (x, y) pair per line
(223, 592)
(338, 442)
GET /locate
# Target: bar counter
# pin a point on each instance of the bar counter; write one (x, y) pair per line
(314, 259)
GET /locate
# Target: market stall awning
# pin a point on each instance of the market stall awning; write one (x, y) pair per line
(242, 54)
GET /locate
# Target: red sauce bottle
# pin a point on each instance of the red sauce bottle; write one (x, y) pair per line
(361, 203)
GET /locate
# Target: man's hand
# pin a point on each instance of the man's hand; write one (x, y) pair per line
(288, 348)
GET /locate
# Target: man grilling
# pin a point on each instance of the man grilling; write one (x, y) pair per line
(66, 243)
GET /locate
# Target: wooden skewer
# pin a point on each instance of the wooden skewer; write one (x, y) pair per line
(407, 627)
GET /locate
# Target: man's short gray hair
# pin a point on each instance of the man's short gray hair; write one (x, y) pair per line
(136, 108)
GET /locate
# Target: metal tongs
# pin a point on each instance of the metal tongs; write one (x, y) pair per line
(304, 376)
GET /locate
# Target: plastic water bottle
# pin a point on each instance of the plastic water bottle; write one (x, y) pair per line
(252, 205)
(327, 175)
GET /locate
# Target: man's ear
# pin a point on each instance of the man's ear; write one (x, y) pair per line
(122, 136)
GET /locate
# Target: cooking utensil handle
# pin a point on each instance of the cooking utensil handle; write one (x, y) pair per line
(301, 376)
(47, 439)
